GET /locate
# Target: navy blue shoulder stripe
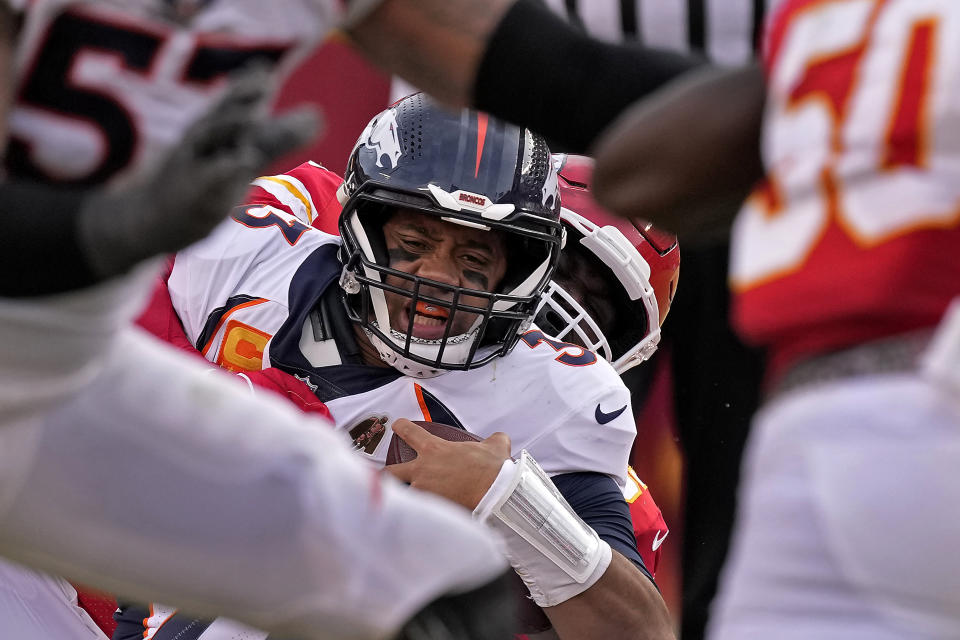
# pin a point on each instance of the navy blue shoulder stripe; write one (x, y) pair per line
(213, 320)
(439, 411)
(317, 279)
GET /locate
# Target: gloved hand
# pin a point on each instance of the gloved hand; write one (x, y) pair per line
(195, 186)
(487, 612)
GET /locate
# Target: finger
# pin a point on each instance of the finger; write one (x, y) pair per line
(402, 471)
(500, 443)
(245, 96)
(247, 89)
(414, 435)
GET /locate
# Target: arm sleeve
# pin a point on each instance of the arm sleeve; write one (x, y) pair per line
(599, 502)
(572, 85)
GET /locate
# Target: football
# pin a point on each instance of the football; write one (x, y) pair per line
(399, 451)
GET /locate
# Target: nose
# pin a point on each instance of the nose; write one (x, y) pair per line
(440, 267)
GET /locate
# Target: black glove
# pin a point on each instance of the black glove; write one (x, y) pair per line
(488, 612)
(197, 184)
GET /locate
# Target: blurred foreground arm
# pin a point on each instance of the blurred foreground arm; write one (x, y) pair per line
(687, 157)
(69, 239)
(509, 57)
(164, 481)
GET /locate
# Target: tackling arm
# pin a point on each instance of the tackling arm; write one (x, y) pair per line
(485, 53)
(686, 158)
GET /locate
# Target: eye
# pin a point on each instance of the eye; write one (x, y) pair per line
(413, 244)
(475, 260)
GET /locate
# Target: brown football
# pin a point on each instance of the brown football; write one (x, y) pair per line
(531, 617)
(399, 451)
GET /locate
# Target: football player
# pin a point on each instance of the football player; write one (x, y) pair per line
(602, 268)
(844, 262)
(599, 285)
(612, 273)
(450, 232)
(104, 87)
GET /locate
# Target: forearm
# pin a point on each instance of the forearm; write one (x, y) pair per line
(540, 72)
(623, 603)
(517, 60)
(686, 158)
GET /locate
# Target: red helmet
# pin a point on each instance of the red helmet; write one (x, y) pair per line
(643, 263)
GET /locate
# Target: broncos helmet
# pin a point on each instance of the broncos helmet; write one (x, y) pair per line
(465, 168)
(643, 262)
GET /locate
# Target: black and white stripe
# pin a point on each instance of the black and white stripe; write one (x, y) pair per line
(726, 31)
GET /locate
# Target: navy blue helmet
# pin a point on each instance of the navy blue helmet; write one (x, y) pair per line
(468, 169)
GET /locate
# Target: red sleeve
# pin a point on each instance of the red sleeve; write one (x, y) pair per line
(100, 608)
(160, 318)
(293, 389)
(321, 185)
(650, 529)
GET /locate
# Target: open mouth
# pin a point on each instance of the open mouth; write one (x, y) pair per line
(429, 321)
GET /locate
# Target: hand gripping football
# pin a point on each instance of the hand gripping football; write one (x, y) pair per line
(399, 451)
(531, 617)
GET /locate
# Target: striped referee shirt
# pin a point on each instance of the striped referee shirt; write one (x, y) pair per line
(726, 31)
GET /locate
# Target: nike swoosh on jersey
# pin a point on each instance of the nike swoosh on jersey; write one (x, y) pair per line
(658, 540)
(603, 417)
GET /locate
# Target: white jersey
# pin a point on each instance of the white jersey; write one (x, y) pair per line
(105, 86)
(249, 297)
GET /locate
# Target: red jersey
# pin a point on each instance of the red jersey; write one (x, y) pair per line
(853, 236)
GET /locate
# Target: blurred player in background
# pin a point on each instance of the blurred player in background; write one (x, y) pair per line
(843, 263)
(266, 281)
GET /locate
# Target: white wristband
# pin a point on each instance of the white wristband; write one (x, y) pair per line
(556, 553)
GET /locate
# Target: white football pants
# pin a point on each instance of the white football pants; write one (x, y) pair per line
(848, 518)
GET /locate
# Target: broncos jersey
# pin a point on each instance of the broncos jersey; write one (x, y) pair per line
(262, 291)
(104, 86)
(863, 167)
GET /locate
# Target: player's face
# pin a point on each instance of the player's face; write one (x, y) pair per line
(427, 247)
(583, 281)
